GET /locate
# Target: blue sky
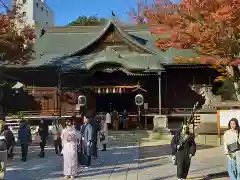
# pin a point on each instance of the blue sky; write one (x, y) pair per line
(68, 10)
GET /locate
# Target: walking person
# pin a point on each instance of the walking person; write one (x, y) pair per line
(231, 149)
(10, 139)
(43, 133)
(24, 137)
(86, 142)
(56, 132)
(70, 141)
(104, 131)
(184, 148)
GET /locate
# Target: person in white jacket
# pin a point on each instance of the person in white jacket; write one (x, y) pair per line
(104, 131)
(56, 132)
(230, 138)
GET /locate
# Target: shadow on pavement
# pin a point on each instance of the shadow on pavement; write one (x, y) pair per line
(217, 175)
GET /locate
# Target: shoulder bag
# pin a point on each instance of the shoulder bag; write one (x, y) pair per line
(234, 146)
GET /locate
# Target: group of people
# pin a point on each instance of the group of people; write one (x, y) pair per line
(80, 146)
(117, 121)
(77, 145)
(184, 148)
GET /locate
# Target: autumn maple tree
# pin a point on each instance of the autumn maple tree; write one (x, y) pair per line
(16, 37)
(211, 28)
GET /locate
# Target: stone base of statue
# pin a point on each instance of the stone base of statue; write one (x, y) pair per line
(160, 129)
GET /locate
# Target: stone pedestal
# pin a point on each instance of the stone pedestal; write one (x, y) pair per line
(160, 129)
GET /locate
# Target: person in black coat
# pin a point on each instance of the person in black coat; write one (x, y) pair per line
(10, 140)
(86, 143)
(43, 133)
(184, 148)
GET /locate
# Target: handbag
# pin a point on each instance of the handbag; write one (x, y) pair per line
(234, 146)
(102, 137)
(174, 159)
(37, 139)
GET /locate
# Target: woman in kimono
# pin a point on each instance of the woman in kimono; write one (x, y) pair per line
(184, 148)
(69, 141)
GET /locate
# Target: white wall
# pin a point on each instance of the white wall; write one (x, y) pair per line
(38, 13)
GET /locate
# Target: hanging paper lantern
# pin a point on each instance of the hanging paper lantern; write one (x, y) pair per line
(107, 91)
(110, 90)
(99, 91)
(114, 90)
(120, 90)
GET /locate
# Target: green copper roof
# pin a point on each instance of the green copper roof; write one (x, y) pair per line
(62, 46)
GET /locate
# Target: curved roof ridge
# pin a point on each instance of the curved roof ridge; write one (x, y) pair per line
(124, 34)
(128, 37)
(109, 23)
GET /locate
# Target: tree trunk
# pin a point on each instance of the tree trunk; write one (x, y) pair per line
(230, 70)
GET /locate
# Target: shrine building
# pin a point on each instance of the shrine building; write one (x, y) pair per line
(108, 64)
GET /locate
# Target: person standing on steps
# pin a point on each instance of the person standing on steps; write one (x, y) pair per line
(231, 148)
(43, 133)
(184, 148)
(115, 119)
(25, 138)
(124, 119)
(56, 132)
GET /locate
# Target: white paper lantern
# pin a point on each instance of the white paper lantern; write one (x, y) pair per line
(99, 91)
(114, 91)
(107, 91)
(120, 90)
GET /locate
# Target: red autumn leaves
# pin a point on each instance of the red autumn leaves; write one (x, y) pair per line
(209, 27)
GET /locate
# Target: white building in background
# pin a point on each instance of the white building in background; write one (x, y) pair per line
(37, 13)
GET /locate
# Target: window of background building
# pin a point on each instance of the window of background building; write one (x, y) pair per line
(47, 13)
(37, 5)
(24, 1)
(41, 8)
(24, 14)
(46, 22)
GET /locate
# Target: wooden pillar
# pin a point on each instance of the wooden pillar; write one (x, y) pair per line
(159, 93)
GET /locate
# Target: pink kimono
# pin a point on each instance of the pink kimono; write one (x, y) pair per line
(70, 141)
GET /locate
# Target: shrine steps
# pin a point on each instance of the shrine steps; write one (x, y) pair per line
(128, 137)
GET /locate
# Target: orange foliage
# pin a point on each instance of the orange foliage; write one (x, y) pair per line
(209, 27)
(16, 42)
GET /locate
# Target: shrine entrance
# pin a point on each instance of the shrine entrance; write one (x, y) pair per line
(114, 101)
(115, 89)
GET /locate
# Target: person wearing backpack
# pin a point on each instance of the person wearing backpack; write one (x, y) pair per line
(56, 132)
(25, 138)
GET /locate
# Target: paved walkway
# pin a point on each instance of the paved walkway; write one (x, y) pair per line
(122, 163)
